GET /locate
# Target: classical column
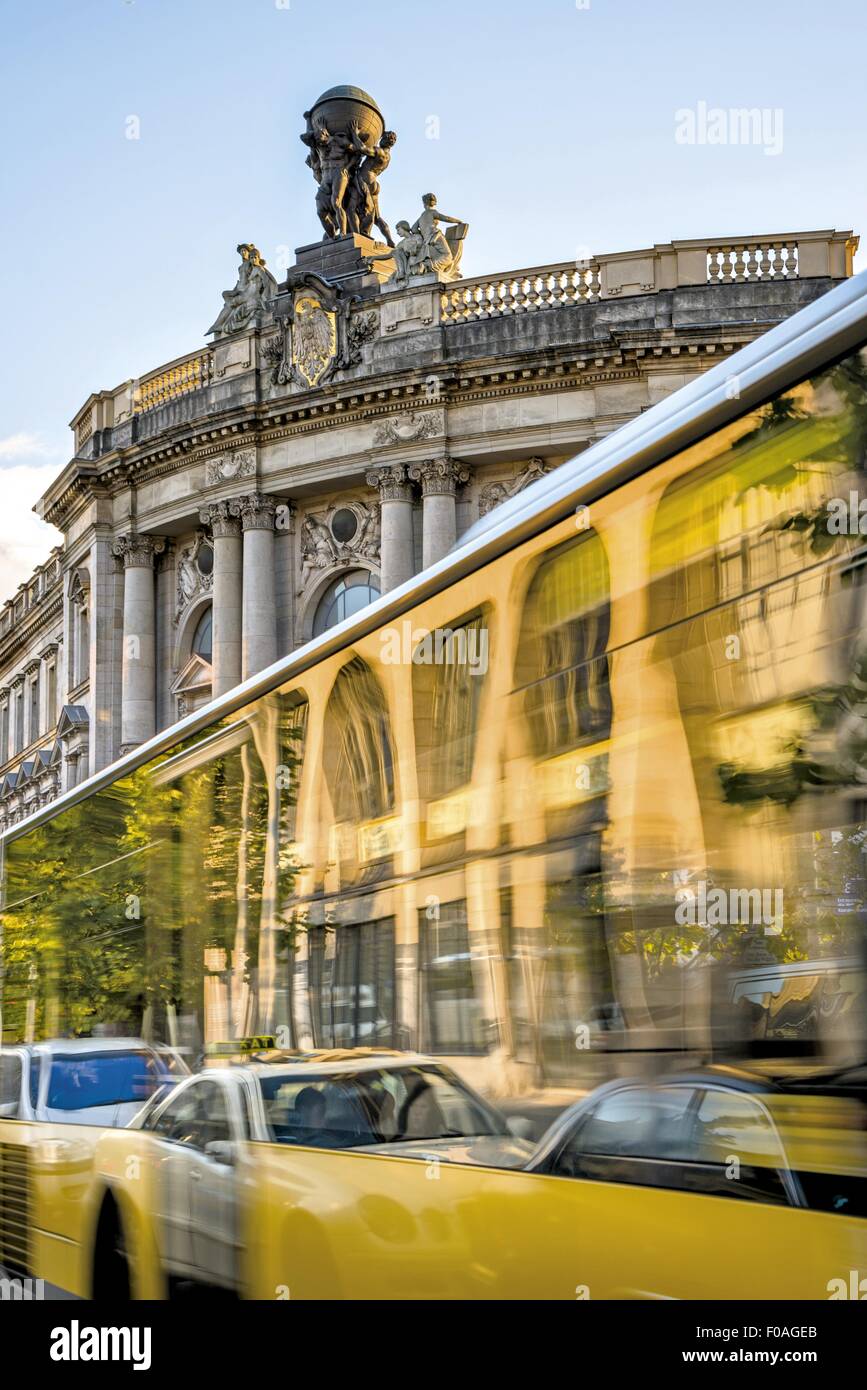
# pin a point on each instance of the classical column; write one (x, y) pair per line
(439, 479)
(259, 602)
(395, 495)
(227, 607)
(138, 672)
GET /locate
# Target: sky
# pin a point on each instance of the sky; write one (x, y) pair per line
(554, 128)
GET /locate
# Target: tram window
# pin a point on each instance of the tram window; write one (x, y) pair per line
(454, 1011)
(447, 685)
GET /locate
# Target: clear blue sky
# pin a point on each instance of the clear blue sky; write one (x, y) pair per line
(556, 131)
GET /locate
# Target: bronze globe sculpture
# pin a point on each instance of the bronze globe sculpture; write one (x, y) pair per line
(348, 148)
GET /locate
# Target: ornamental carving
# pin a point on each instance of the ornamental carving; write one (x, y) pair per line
(442, 475)
(409, 426)
(138, 552)
(321, 548)
(222, 519)
(494, 493)
(240, 463)
(257, 511)
(314, 338)
(362, 329)
(193, 579)
(391, 481)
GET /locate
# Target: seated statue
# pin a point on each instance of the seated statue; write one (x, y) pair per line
(423, 249)
(440, 254)
(255, 286)
(405, 255)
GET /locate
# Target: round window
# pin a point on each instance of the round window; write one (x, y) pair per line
(344, 525)
(205, 559)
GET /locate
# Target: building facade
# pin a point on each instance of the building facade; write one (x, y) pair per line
(339, 433)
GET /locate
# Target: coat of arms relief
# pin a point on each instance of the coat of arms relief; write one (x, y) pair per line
(317, 332)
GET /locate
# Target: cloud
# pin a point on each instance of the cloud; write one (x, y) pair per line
(26, 445)
(25, 540)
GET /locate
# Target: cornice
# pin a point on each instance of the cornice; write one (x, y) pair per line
(29, 627)
(357, 401)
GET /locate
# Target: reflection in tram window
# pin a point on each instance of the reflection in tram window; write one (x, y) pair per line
(455, 1022)
(446, 699)
(351, 982)
(564, 634)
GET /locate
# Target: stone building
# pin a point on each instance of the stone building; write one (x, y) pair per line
(340, 432)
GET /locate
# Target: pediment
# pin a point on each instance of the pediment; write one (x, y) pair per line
(198, 674)
(72, 719)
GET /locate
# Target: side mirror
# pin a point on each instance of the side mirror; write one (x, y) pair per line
(222, 1151)
(521, 1127)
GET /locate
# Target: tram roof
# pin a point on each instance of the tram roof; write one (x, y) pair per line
(786, 354)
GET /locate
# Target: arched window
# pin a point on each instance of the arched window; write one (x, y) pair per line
(346, 595)
(202, 638)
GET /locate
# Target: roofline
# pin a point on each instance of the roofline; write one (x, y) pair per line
(833, 324)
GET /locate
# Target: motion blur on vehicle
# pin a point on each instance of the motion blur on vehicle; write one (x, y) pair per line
(530, 966)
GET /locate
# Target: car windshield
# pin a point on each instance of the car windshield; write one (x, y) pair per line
(375, 1106)
(83, 1080)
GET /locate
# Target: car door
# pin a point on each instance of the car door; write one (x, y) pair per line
(214, 1191)
(176, 1157)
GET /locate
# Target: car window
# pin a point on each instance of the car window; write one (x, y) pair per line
(322, 1111)
(78, 1081)
(640, 1122)
(213, 1123)
(177, 1121)
(373, 1106)
(246, 1114)
(730, 1124)
(10, 1083)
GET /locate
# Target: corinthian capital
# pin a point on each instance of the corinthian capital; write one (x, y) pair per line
(222, 520)
(138, 552)
(391, 481)
(441, 475)
(256, 510)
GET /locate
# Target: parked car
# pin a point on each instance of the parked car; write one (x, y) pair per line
(758, 1134)
(86, 1081)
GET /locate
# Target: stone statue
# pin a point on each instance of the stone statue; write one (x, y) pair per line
(362, 204)
(318, 550)
(188, 576)
(369, 538)
(423, 249)
(440, 254)
(405, 255)
(255, 286)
